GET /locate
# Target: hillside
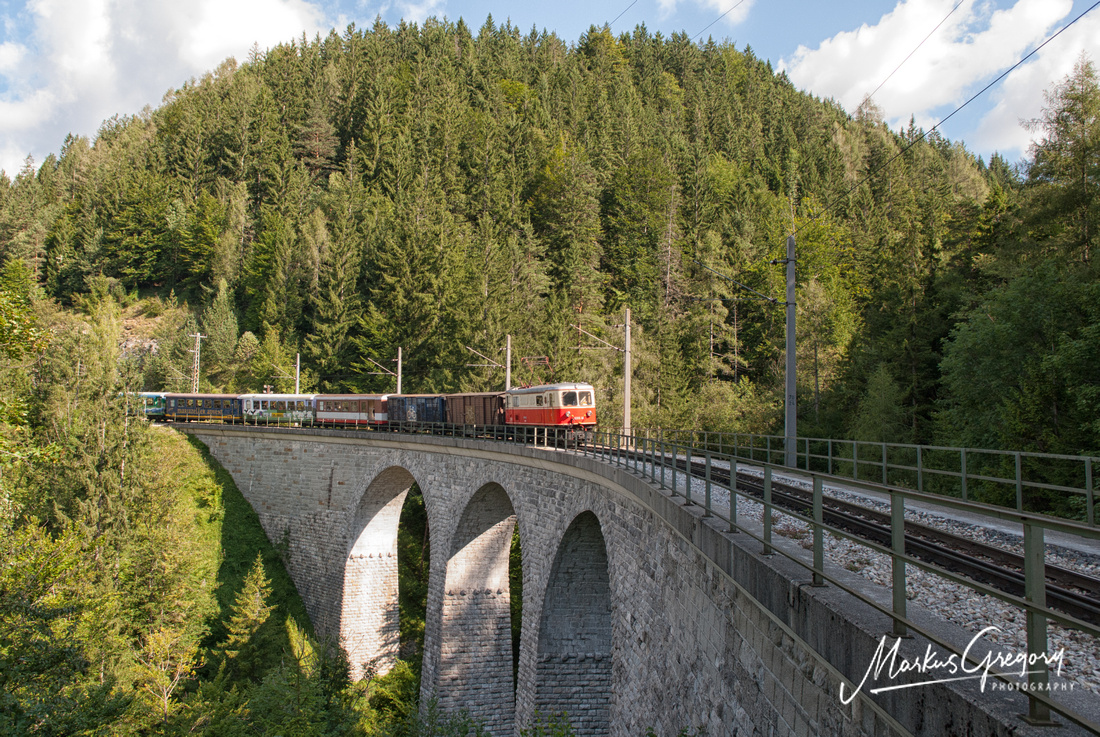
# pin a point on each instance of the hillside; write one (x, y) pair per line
(432, 187)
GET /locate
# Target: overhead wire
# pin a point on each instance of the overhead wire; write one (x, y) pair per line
(620, 15)
(925, 134)
(917, 48)
(723, 15)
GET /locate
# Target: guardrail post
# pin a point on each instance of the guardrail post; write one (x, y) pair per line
(884, 481)
(706, 502)
(1019, 483)
(897, 539)
(920, 470)
(819, 533)
(830, 457)
(688, 476)
(1035, 591)
(1090, 494)
(767, 510)
(675, 462)
(663, 457)
(733, 495)
(855, 460)
(962, 471)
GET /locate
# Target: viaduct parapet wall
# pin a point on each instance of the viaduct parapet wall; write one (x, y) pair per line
(638, 613)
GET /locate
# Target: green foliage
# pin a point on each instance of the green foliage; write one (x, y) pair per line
(246, 642)
(880, 417)
(548, 725)
(45, 607)
(413, 559)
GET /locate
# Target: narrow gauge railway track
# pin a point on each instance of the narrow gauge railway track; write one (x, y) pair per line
(1068, 591)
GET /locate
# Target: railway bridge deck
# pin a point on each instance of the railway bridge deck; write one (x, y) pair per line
(640, 609)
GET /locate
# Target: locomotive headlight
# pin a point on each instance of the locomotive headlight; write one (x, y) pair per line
(589, 413)
(568, 414)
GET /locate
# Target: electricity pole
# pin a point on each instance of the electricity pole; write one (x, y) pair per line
(790, 440)
(627, 371)
(386, 371)
(195, 363)
(493, 364)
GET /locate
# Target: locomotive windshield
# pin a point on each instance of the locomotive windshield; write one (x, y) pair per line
(569, 399)
(586, 399)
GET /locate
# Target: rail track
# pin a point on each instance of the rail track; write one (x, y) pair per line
(1068, 591)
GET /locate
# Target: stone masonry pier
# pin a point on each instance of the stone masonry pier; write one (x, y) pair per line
(638, 612)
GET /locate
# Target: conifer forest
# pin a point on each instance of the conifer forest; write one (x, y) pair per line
(437, 187)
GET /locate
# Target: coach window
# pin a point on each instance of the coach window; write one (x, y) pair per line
(569, 399)
(538, 401)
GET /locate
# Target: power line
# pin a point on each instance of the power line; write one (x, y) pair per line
(930, 34)
(723, 15)
(620, 15)
(925, 134)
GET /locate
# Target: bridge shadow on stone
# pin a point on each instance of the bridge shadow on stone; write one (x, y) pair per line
(476, 664)
(573, 671)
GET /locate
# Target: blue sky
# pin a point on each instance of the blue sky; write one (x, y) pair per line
(67, 65)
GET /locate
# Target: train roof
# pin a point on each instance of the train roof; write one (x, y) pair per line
(184, 395)
(352, 396)
(549, 388)
(475, 394)
(278, 396)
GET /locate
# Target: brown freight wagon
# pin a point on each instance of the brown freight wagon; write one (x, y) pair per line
(482, 408)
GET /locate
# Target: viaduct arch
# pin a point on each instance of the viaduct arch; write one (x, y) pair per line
(638, 612)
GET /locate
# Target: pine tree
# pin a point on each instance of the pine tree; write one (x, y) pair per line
(219, 324)
(246, 651)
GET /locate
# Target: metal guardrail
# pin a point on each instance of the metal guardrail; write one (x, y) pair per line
(655, 459)
(965, 473)
(653, 455)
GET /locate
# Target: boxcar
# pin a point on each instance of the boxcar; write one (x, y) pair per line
(416, 408)
(482, 408)
(277, 408)
(185, 407)
(351, 409)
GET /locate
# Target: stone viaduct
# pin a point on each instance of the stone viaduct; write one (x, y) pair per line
(638, 612)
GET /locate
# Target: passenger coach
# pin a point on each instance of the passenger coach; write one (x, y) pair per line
(352, 409)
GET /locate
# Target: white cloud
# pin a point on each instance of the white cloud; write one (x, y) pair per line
(10, 56)
(419, 12)
(732, 12)
(86, 60)
(1020, 97)
(973, 45)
